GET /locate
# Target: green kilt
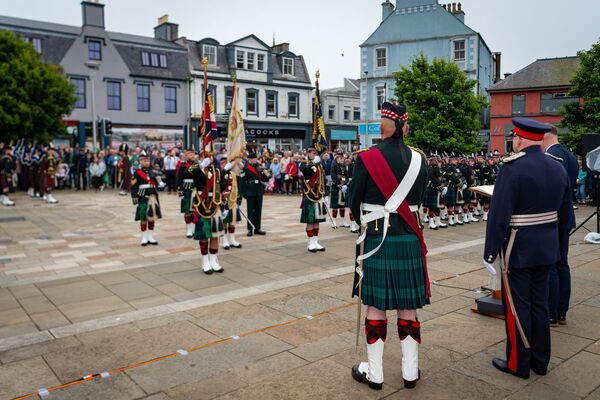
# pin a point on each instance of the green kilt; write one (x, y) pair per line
(334, 199)
(468, 195)
(309, 214)
(454, 197)
(431, 199)
(394, 277)
(186, 202)
(207, 228)
(147, 210)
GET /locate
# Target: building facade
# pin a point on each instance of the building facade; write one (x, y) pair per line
(274, 91)
(140, 84)
(411, 28)
(341, 111)
(537, 91)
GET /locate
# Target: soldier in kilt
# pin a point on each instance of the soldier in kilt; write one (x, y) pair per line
(207, 214)
(487, 177)
(350, 163)
(394, 273)
(7, 169)
(47, 172)
(185, 189)
(230, 203)
(314, 209)
(433, 199)
(145, 196)
(124, 170)
(454, 195)
(338, 201)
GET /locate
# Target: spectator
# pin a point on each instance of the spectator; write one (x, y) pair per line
(97, 170)
(291, 177)
(276, 174)
(170, 167)
(81, 170)
(581, 180)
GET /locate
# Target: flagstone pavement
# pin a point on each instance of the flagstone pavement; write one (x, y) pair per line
(82, 302)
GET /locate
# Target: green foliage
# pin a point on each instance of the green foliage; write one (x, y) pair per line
(33, 95)
(583, 118)
(444, 111)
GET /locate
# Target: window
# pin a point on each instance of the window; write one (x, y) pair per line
(79, 84)
(356, 112)
(331, 112)
(293, 105)
(272, 104)
(113, 92)
(380, 97)
(94, 50)
(36, 42)
(143, 97)
(228, 98)
(260, 62)
(250, 61)
(518, 104)
(240, 57)
(210, 52)
(288, 66)
(162, 58)
(553, 102)
(170, 99)
(381, 57)
(347, 113)
(145, 58)
(459, 50)
(154, 59)
(251, 102)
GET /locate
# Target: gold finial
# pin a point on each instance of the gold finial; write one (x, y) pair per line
(234, 79)
(205, 61)
(318, 74)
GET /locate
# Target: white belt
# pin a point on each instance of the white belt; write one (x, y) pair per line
(145, 186)
(533, 219)
(414, 208)
(188, 181)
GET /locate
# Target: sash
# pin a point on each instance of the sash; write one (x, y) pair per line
(209, 183)
(145, 177)
(254, 171)
(313, 179)
(385, 180)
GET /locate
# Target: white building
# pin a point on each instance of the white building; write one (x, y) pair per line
(341, 110)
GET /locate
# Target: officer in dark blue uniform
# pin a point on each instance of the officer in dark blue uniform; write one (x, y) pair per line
(530, 204)
(560, 275)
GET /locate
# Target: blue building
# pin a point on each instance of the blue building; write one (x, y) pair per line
(410, 28)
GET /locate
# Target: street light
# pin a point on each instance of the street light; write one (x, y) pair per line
(93, 66)
(367, 108)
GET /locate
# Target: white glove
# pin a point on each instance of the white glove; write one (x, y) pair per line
(205, 163)
(228, 166)
(490, 267)
(344, 188)
(464, 186)
(224, 214)
(444, 191)
(317, 159)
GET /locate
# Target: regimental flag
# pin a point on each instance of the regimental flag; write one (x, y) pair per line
(236, 135)
(208, 130)
(319, 141)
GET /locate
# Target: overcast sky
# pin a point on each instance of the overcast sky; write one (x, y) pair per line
(328, 32)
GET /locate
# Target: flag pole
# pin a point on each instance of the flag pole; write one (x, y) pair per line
(204, 89)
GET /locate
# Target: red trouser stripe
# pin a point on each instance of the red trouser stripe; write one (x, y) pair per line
(512, 335)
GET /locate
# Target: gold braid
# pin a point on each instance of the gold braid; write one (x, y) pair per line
(210, 205)
(315, 193)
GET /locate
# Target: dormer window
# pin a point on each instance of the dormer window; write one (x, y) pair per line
(260, 62)
(210, 52)
(288, 66)
(36, 42)
(240, 59)
(154, 60)
(250, 60)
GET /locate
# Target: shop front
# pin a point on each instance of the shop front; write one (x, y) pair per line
(163, 138)
(370, 136)
(274, 137)
(342, 138)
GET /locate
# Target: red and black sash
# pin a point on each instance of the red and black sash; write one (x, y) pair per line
(313, 179)
(254, 171)
(385, 180)
(145, 177)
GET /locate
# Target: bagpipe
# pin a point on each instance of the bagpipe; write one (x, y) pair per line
(207, 202)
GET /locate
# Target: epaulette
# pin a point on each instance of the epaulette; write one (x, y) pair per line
(361, 150)
(416, 149)
(514, 157)
(555, 157)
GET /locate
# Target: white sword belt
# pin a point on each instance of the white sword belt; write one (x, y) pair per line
(533, 219)
(379, 207)
(145, 186)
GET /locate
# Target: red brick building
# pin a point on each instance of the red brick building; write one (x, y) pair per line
(538, 91)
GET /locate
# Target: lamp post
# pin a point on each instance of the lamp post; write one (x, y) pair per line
(367, 108)
(93, 66)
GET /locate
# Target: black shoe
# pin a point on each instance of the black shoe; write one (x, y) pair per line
(501, 365)
(362, 378)
(249, 233)
(209, 272)
(259, 232)
(553, 322)
(541, 372)
(562, 320)
(239, 246)
(412, 384)
(226, 247)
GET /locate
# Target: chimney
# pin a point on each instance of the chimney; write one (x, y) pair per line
(458, 12)
(166, 30)
(444, 6)
(280, 48)
(93, 13)
(453, 8)
(507, 75)
(498, 66)
(387, 8)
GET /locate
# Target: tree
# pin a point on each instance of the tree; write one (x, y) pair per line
(34, 95)
(583, 117)
(444, 111)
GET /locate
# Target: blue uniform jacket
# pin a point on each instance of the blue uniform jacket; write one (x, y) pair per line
(531, 184)
(572, 167)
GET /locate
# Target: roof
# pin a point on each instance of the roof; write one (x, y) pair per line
(543, 73)
(177, 63)
(429, 21)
